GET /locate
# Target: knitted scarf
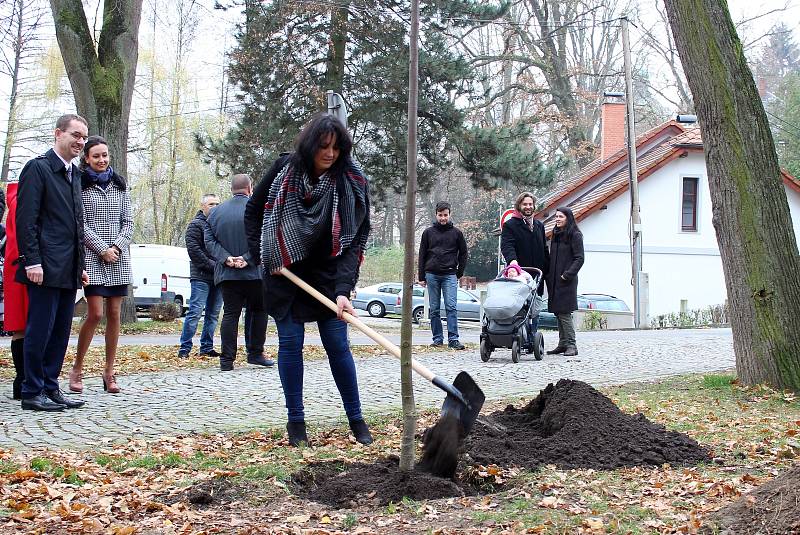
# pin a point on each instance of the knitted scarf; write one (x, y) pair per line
(297, 213)
(101, 179)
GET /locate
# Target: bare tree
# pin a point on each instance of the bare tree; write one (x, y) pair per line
(750, 210)
(556, 57)
(20, 35)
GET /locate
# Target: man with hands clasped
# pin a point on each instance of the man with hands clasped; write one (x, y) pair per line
(237, 273)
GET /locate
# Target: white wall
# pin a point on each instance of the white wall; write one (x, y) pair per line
(681, 265)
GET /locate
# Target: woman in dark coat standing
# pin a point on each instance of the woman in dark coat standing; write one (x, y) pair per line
(310, 214)
(566, 259)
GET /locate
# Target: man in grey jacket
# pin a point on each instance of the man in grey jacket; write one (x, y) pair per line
(237, 273)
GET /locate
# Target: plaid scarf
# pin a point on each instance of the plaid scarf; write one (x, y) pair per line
(297, 213)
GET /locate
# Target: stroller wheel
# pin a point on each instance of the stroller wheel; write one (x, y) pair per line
(486, 350)
(515, 351)
(538, 346)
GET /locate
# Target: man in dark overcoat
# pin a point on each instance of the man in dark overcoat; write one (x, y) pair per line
(237, 274)
(523, 242)
(49, 223)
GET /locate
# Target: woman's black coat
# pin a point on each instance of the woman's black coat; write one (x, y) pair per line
(331, 275)
(566, 259)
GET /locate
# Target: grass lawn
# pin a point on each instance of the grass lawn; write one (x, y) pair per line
(245, 485)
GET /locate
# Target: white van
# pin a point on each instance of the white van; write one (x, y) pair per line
(160, 272)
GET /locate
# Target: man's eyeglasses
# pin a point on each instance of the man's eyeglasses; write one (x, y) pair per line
(77, 135)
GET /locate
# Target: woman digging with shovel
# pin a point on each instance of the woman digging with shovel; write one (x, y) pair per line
(310, 214)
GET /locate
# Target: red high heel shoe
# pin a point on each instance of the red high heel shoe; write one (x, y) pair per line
(75, 381)
(110, 384)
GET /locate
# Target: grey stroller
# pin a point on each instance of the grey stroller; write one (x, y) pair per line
(509, 310)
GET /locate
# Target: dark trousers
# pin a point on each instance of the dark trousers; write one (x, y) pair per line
(235, 294)
(566, 330)
(47, 332)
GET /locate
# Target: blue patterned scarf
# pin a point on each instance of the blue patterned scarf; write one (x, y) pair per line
(101, 179)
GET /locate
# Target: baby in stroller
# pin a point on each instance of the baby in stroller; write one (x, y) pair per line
(510, 312)
(514, 272)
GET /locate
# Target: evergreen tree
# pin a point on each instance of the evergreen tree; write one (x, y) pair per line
(290, 53)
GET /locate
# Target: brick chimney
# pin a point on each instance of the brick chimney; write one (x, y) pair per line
(612, 128)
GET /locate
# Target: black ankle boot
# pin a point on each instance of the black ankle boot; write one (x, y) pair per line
(19, 366)
(361, 432)
(297, 433)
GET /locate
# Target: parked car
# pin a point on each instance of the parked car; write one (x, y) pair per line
(600, 302)
(467, 304)
(378, 298)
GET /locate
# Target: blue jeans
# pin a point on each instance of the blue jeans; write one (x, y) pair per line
(205, 296)
(333, 333)
(439, 285)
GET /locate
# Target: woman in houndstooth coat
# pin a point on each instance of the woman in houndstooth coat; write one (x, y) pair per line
(108, 230)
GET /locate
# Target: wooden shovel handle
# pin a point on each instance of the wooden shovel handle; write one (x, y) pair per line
(357, 323)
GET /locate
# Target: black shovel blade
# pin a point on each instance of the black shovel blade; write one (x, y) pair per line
(467, 402)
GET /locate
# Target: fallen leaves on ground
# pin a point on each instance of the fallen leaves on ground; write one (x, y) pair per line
(240, 483)
(156, 358)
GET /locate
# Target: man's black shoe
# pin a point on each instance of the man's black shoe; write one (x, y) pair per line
(456, 345)
(226, 366)
(183, 354)
(212, 354)
(437, 344)
(41, 403)
(57, 396)
(557, 350)
(261, 361)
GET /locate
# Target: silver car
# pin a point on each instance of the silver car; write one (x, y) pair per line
(468, 305)
(377, 299)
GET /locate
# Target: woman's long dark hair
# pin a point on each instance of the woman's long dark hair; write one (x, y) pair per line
(570, 228)
(93, 141)
(310, 140)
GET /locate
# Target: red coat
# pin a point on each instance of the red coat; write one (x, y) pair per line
(15, 295)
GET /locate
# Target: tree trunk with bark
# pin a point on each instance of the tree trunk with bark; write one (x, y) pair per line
(750, 210)
(102, 78)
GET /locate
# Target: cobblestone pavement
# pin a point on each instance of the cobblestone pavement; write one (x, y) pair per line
(169, 403)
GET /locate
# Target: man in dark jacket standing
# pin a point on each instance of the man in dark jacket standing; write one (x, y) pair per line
(205, 294)
(442, 260)
(237, 273)
(523, 241)
(49, 223)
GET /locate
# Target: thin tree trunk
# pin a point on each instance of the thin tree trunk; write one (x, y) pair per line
(11, 129)
(152, 180)
(750, 210)
(334, 73)
(408, 441)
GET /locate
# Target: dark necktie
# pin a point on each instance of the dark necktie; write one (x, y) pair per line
(69, 173)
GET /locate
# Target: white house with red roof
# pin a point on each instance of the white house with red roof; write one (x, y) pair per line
(679, 245)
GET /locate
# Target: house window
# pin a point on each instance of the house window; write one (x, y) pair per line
(689, 204)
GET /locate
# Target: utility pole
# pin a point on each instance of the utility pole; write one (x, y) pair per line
(639, 311)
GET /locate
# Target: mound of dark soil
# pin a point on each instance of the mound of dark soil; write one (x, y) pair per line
(572, 425)
(349, 485)
(772, 508)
